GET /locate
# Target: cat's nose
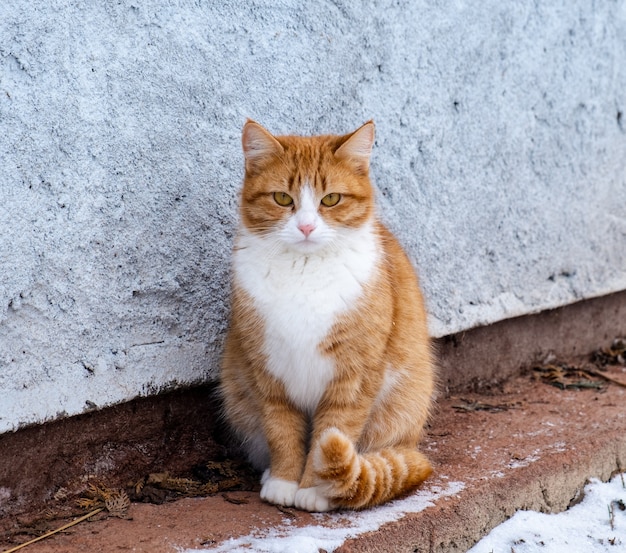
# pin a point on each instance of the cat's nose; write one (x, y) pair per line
(306, 229)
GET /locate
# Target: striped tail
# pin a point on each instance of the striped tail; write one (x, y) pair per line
(358, 481)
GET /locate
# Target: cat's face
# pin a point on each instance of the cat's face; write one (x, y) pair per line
(305, 193)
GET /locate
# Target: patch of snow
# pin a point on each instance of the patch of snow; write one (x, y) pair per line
(333, 529)
(584, 528)
(475, 452)
(534, 433)
(519, 463)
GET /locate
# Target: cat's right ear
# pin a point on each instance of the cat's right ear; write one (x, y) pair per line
(259, 146)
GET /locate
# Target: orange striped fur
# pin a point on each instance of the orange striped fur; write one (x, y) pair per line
(327, 375)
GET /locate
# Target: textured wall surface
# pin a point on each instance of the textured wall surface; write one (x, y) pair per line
(500, 160)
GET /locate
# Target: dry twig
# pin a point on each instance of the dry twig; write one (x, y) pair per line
(236, 500)
(98, 498)
(53, 532)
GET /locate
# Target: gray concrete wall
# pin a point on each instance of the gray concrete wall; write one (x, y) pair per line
(500, 160)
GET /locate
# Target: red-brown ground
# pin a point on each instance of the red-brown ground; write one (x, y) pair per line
(529, 445)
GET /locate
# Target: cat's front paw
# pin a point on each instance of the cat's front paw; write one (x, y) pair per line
(313, 500)
(278, 491)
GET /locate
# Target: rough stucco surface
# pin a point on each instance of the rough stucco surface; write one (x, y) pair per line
(500, 160)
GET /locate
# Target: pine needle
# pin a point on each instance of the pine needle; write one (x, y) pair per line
(606, 377)
(64, 527)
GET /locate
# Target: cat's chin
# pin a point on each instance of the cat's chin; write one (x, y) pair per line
(307, 246)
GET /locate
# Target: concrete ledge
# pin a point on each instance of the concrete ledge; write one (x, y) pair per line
(534, 453)
(486, 356)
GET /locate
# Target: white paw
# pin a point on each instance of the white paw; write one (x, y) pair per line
(313, 500)
(278, 491)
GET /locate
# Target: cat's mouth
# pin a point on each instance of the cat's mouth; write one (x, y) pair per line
(308, 245)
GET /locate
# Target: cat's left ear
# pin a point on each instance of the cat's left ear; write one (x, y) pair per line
(358, 145)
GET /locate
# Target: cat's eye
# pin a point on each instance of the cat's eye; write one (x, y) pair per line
(283, 199)
(331, 199)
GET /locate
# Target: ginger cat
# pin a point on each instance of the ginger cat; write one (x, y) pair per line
(327, 374)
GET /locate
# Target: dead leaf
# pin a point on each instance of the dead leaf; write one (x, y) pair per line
(117, 505)
(115, 502)
(614, 355)
(568, 377)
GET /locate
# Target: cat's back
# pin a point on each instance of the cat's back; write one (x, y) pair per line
(401, 273)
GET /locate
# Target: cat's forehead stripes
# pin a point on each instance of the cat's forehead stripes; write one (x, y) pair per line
(300, 180)
(307, 164)
(321, 181)
(291, 182)
(316, 181)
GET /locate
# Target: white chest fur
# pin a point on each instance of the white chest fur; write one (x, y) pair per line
(300, 297)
